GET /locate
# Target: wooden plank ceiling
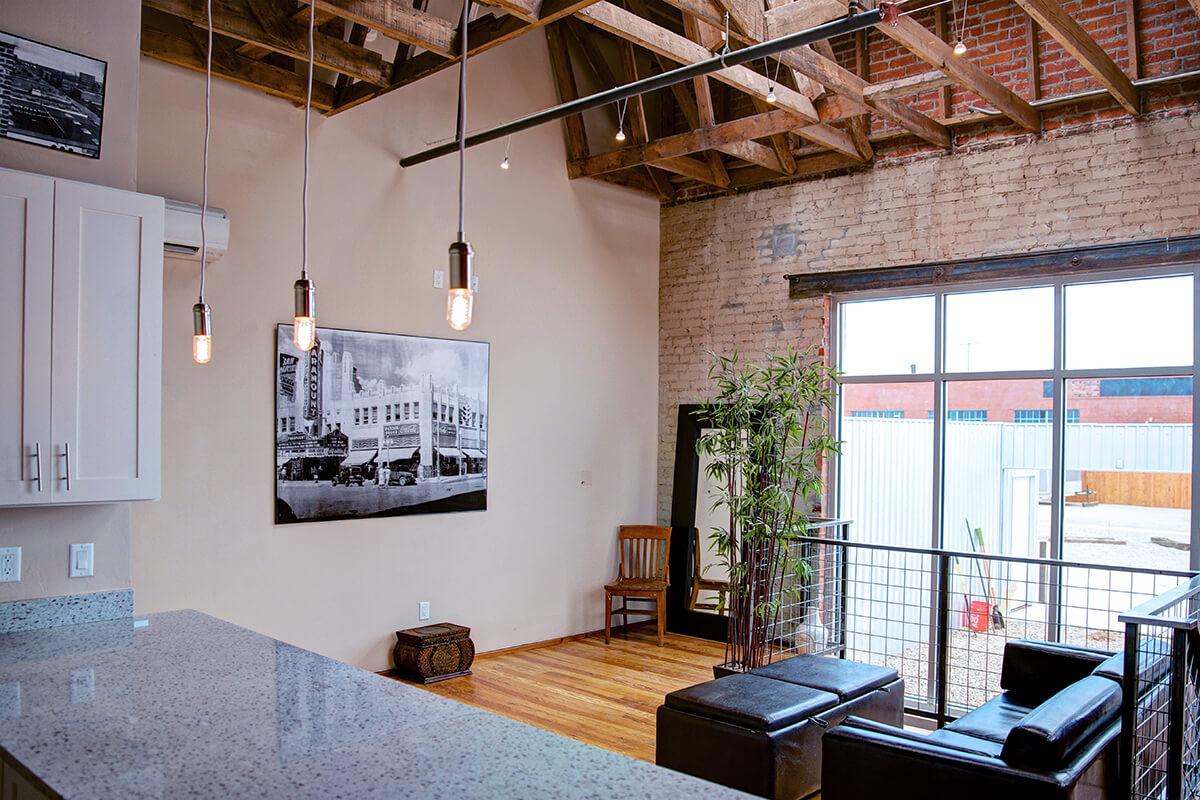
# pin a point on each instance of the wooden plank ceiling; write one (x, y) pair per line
(717, 133)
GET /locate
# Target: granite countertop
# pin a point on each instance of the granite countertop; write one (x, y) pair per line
(183, 705)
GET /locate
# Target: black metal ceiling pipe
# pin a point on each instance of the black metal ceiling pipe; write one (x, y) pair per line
(838, 27)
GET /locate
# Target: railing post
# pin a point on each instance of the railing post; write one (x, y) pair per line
(1175, 716)
(1126, 769)
(943, 635)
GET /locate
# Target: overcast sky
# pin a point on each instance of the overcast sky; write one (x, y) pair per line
(1138, 323)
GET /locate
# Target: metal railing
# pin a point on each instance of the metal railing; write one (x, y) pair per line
(1160, 732)
(941, 617)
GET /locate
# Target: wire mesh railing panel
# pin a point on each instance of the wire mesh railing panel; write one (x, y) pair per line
(942, 618)
(1161, 719)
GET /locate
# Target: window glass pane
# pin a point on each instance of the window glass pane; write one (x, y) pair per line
(1137, 323)
(885, 478)
(997, 475)
(1002, 330)
(1127, 480)
(887, 337)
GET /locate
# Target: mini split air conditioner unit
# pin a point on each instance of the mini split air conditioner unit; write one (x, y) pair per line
(181, 231)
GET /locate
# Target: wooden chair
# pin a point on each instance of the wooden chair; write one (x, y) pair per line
(641, 575)
(703, 584)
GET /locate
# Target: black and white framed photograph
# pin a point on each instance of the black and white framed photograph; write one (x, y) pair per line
(379, 424)
(50, 97)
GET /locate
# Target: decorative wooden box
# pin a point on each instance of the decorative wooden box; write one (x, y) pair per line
(434, 652)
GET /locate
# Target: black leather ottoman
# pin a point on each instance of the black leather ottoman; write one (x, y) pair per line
(761, 732)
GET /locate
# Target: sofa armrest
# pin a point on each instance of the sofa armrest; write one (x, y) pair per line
(1034, 671)
(865, 759)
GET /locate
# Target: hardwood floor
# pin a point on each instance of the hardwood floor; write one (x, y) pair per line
(602, 695)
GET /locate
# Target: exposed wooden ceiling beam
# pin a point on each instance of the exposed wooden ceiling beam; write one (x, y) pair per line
(931, 49)
(233, 18)
(485, 33)
(300, 15)
(398, 20)
(564, 84)
(659, 40)
(639, 131)
(1076, 41)
(800, 15)
(910, 85)
(747, 15)
(712, 138)
(1195, 5)
(184, 52)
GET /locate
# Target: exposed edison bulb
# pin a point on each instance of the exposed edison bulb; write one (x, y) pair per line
(960, 47)
(304, 332)
(771, 95)
(620, 134)
(201, 333)
(304, 324)
(459, 304)
(504, 163)
(201, 349)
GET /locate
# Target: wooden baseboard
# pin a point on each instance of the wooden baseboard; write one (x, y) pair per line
(518, 648)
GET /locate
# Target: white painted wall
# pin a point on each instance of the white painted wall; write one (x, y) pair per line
(568, 300)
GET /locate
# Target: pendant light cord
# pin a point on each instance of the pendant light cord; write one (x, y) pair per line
(312, 20)
(462, 123)
(207, 129)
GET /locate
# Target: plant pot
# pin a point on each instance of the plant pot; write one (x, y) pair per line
(726, 669)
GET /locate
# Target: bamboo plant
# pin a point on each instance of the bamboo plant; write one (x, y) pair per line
(767, 436)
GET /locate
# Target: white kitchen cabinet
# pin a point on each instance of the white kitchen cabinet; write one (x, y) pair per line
(81, 320)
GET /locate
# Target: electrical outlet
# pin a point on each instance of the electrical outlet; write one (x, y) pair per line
(10, 564)
(439, 279)
(81, 563)
(423, 610)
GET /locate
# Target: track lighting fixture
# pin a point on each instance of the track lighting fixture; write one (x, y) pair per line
(621, 106)
(959, 23)
(201, 313)
(460, 299)
(773, 80)
(507, 142)
(960, 47)
(304, 323)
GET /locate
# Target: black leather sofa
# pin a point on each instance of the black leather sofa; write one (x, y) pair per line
(761, 731)
(1051, 734)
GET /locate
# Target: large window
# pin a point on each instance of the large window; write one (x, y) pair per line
(1051, 418)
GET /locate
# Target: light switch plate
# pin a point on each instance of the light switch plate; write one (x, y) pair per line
(423, 610)
(10, 564)
(82, 557)
(439, 279)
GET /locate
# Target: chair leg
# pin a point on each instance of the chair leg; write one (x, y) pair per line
(661, 610)
(607, 617)
(625, 616)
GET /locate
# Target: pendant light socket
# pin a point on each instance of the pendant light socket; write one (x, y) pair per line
(462, 265)
(960, 47)
(460, 299)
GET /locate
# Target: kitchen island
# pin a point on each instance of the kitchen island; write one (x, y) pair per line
(183, 705)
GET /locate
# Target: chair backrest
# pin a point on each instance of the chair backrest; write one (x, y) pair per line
(643, 551)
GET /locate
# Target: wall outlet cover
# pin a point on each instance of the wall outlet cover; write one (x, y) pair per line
(10, 564)
(423, 610)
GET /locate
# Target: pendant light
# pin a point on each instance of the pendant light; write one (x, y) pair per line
(461, 298)
(304, 325)
(960, 23)
(201, 313)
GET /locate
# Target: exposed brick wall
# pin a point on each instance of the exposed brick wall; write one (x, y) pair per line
(721, 284)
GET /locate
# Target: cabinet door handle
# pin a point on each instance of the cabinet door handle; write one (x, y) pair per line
(67, 464)
(37, 457)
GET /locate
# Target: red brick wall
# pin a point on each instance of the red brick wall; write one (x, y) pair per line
(721, 284)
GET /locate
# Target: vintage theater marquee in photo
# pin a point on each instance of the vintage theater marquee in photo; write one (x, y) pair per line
(377, 424)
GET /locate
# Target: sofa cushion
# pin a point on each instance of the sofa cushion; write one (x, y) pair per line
(1054, 731)
(846, 679)
(1033, 671)
(1152, 667)
(751, 701)
(992, 720)
(971, 744)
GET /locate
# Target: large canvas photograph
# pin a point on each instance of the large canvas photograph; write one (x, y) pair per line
(50, 97)
(379, 424)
